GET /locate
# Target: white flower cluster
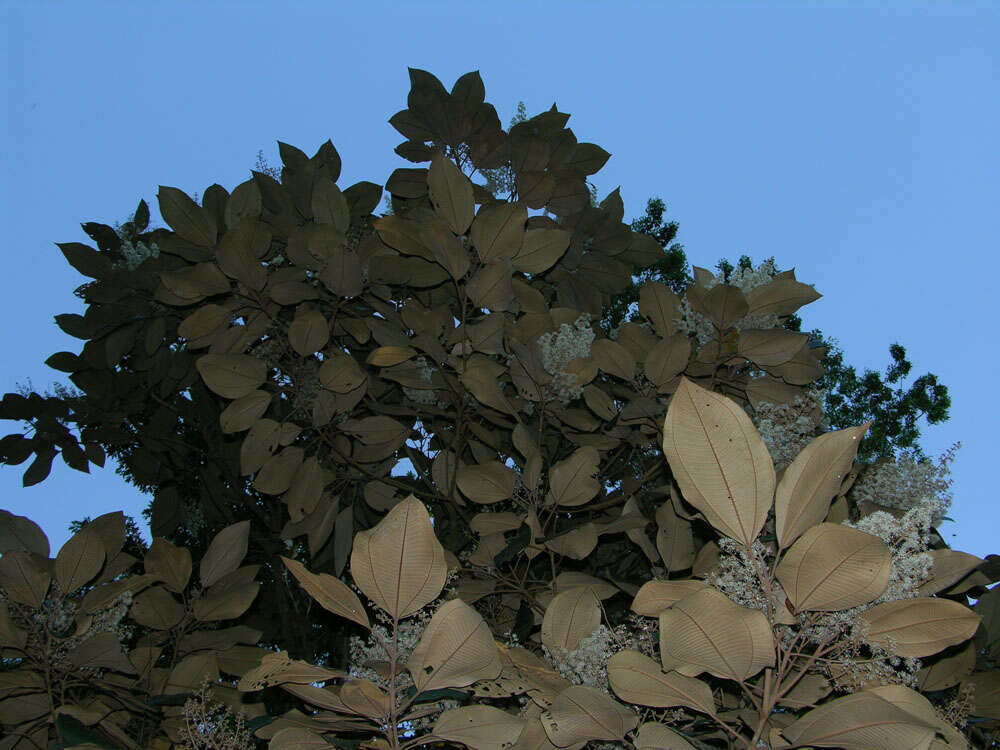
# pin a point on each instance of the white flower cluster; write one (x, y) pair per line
(269, 349)
(861, 665)
(739, 573)
(748, 279)
(692, 323)
(587, 664)
(135, 253)
(211, 725)
(421, 395)
(560, 348)
(908, 539)
(305, 375)
(368, 652)
(59, 615)
(788, 428)
(695, 324)
(906, 484)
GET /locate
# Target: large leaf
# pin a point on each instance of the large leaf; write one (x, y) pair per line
(570, 617)
(331, 593)
(666, 360)
(400, 564)
(862, 721)
(203, 322)
(987, 693)
(653, 736)
(305, 490)
(486, 483)
(833, 567)
(23, 579)
(479, 727)
(581, 713)
(376, 430)
(451, 193)
(329, 205)
(79, 560)
(498, 230)
(387, 356)
(948, 669)
(783, 296)
(490, 287)
(674, 538)
(86, 259)
(228, 604)
(719, 460)
(191, 284)
(365, 698)
(707, 632)
(573, 481)
(914, 703)
(225, 553)
(341, 373)
(277, 668)
(659, 305)
(446, 248)
(813, 480)
(655, 596)
(455, 650)
(308, 332)
(277, 473)
(239, 252)
(771, 347)
(636, 678)
(168, 563)
(21, 533)
(189, 220)
(242, 413)
(232, 375)
(297, 738)
(156, 608)
(576, 544)
(540, 249)
(918, 627)
(949, 567)
(101, 650)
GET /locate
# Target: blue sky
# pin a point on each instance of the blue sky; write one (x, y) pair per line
(854, 142)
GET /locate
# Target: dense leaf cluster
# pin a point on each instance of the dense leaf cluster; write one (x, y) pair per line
(304, 385)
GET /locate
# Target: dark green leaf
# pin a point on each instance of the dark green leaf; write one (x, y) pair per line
(40, 467)
(141, 220)
(73, 732)
(174, 699)
(15, 449)
(291, 157)
(74, 325)
(64, 362)
(437, 695)
(74, 457)
(105, 237)
(16, 406)
(516, 543)
(85, 259)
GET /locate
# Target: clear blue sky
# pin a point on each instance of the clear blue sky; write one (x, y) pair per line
(855, 142)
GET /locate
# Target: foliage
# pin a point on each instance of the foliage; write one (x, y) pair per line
(542, 575)
(670, 269)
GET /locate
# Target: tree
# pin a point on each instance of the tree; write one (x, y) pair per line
(271, 361)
